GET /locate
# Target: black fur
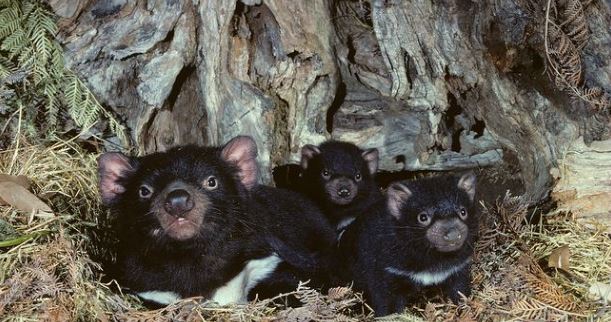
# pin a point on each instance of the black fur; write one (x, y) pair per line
(299, 234)
(395, 238)
(239, 221)
(346, 164)
(196, 266)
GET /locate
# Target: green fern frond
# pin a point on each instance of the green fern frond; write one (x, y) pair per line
(27, 7)
(39, 71)
(86, 110)
(6, 67)
(57, 60)
(10, 17)
(14, 43)
(39, 22)
(72, 90)
(53, 105)
(33, 73)
(116, 127)
(26, 57)
(4, 71)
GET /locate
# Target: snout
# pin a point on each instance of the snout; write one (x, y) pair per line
(452, 235)
(341, 190)
(447, 235)
(180, 209)
(178, 202)
(344, 192)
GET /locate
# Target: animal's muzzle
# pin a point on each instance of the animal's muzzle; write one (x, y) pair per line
(178, 202)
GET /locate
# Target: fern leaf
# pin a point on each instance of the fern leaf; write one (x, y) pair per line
(6, 67)
(26, 57)
(27, 7)
(598, 98)
(48, 25)
(52, 106)
(32, 59)
(57, 61)
(567, 60)
(72, 91)
(9, 21)
(574, 23)
(14, 43)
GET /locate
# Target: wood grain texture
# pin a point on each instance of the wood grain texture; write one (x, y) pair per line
(584, 181)
(438, 85)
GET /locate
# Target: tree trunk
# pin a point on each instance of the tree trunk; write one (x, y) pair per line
(437, 85)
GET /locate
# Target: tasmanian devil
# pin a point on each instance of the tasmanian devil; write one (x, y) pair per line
(194, 222)
(339, 177)
(421, 236)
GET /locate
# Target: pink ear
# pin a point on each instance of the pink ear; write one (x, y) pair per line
(397, 195)
(242, 151)
(467, 183)
(112, 167)
(371, 157)
(308, 151)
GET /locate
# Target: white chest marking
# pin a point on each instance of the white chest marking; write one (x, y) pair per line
(427, 277)
(236, 290)
(342, 226)
(161, 297)
(344, 223)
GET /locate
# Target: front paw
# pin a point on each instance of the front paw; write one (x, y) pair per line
(458, 287)
(459, 295)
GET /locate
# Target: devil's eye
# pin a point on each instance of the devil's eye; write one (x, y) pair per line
(462, 213)
(145, 191)
(326, 173)
(210, 183)
(424, 218)
(358, 176)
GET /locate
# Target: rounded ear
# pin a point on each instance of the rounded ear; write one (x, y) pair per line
(113, 167)
(308, 152)
(397, 194)
(371, 158)
(467, 183)
(242, 152)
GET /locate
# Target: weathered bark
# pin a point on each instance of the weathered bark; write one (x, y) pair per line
(584, 181)
(434, 85)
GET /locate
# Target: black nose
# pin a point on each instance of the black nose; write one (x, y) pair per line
(343, 192)
(452, 235)
(178, 202)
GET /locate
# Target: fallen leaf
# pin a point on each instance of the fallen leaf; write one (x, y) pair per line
(559, 258)
(20, 180)
(601, 291)
(19, 197)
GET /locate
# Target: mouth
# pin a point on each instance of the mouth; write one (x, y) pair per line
(342, 201)
(181, 229)
(449, 247)
(180, 222)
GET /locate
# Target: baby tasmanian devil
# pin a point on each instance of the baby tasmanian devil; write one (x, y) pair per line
(421, 236)
(194, 222)
(339, 177)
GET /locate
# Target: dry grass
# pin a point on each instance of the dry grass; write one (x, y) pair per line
(51, 275)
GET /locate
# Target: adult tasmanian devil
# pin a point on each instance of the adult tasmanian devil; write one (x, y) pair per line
(193, 221)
